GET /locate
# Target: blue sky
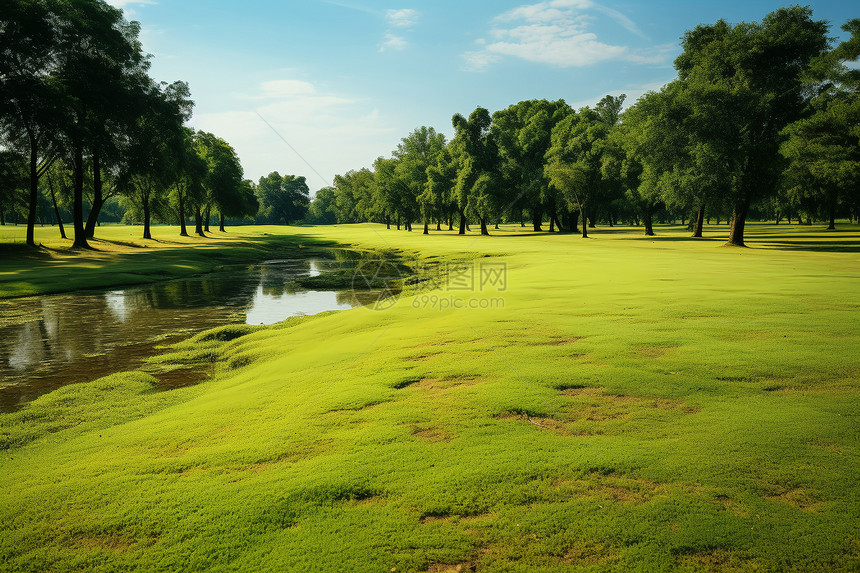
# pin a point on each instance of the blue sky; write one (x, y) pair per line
(319, 87)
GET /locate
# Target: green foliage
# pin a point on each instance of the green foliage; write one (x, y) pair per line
(323, 207)
(357, 197)
(743, 84)
(13, 178)
(823, 149)
(707, 143)
(283, 199)
(416, 153)
(580, 147)
(523, 135)
(479, 189)
(824, 155)
(224, 185)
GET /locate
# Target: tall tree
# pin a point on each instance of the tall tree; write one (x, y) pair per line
(30, 95)
(415, 153)
(158, 140)
(523, 135)
(223, 180)
(623, 162)
(575, 159)
(323, 207)
(356, 197)
(823, 150)
(102, 64)
(13, 179)
(392, 191)
(744, 86)
(283, 198)
(189, 172)
(438, 199)
(479, 187)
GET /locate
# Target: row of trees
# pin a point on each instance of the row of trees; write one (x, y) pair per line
(763, 118)
(82, 123)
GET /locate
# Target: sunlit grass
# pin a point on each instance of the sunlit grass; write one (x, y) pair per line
(635, 404)
(120, 257)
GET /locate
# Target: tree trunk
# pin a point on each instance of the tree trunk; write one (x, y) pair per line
(56, 209)
(739, 219)
(584, 221)
(451, 221)
(183, 231)
(398, 222)
(387, 222)
(78, 210)
(438, 224)
(537, 219)
(221, 223)
(700, 221)
(557, 222)
(146, 216)
(198, 222)
(648, 219)
(574, 222)
(426, 226)
(462, 230)
(34, 192)
(832, 223)
(98, 199)
(207, 217)
(484, 230)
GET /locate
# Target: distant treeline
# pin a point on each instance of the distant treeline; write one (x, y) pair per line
(762, 120)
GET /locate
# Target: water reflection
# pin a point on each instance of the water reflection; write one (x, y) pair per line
(47, 342)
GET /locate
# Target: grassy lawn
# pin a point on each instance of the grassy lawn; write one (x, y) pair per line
(121, 257)
(620, 403)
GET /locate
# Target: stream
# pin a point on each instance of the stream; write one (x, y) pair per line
(49, 341)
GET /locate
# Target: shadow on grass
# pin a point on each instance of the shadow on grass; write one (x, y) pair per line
(55, 270)
(814, 246)
(118, 243)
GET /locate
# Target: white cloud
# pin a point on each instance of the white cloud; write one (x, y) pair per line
(331, 132)
(479, 61)
(405, 18)
(393, 42)
(557, 33)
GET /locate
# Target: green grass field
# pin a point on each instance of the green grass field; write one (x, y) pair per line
(620, 403)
